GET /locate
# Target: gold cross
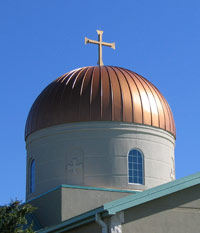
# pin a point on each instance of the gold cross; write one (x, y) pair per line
(100, 43)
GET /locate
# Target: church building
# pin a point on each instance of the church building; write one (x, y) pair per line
(100, 156)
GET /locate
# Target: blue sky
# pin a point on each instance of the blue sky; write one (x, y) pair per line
(43, 39)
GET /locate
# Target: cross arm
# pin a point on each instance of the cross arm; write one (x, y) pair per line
(112, 45)
(90, 41)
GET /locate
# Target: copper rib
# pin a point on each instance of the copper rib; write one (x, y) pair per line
(105, 93)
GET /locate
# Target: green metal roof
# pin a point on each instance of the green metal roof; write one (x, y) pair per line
(98, 189)
(83, 187)
(132, 200)
(152, 194)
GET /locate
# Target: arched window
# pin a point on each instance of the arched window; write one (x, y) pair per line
(135, 167)
(32, 176)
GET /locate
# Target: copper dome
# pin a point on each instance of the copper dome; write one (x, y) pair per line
(100, 93)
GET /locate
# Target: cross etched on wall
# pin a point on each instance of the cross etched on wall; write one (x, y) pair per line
(74, 166)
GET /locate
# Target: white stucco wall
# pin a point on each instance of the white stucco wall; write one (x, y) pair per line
(98, 151)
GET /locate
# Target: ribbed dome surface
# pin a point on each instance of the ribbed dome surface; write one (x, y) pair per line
(100, 93)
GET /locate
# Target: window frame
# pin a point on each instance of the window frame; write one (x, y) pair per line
(143, 172)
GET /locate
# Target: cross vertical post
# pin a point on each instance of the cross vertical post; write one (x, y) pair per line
(100, 60)
(100, 43)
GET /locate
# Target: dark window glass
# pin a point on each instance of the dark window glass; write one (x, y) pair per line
(140, 173)
(139, 159)
(134, 152)
(135, 173)
(135, 180)
(140, 180)
(130, 179)
(130, 173)
(135, 159)
(32, 176)
(135, 166)
(130, 166)
(130, 159)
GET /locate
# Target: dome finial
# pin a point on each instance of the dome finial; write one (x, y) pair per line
(100, 43)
